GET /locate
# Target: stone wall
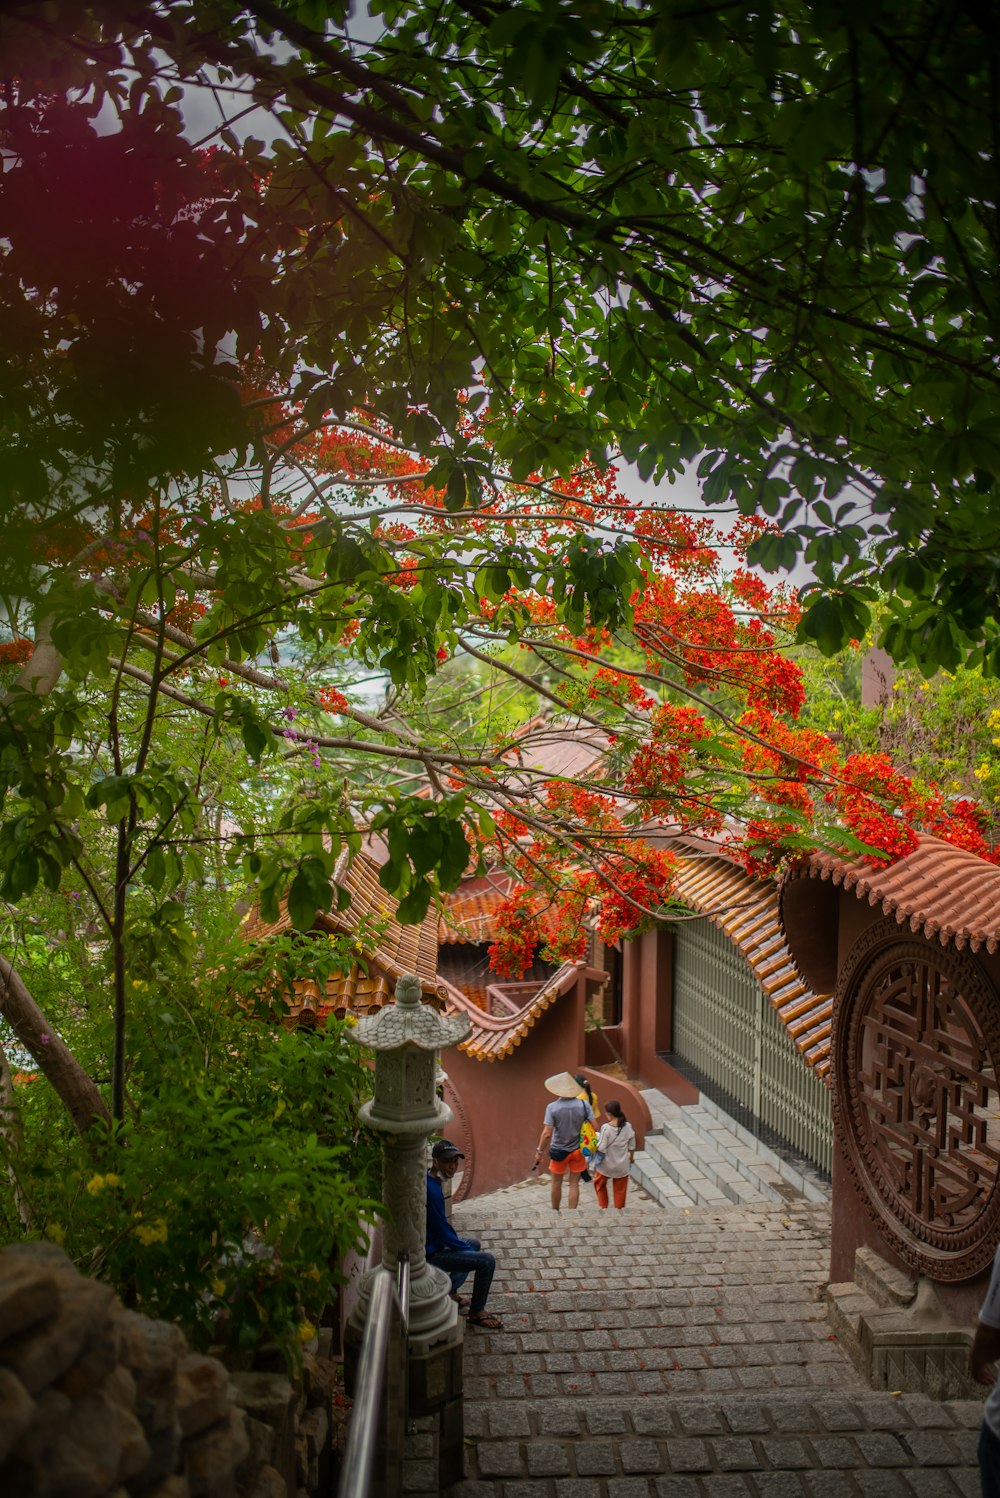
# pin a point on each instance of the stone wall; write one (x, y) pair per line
(99, 1402)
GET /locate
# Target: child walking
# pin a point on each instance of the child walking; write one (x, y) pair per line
(615, 1151)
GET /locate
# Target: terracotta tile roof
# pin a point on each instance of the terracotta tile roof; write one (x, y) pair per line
(495, 1036)
(470, 911)
(944, 892)
(746, 909)
(563, 750)
(396, 950)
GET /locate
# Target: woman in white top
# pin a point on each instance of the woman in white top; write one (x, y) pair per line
(616, 1142)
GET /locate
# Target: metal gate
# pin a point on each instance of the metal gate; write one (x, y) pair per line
(725, 1026)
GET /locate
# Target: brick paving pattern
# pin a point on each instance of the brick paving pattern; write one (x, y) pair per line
(683, 1353)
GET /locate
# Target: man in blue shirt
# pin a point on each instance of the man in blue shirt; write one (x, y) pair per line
(458, 1257)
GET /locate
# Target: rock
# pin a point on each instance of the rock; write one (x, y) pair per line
(17, 1410)
(305, 1462)
(164, 1455)
(136, 1452)
(202, 1393)
(151, 1350)
(174, 1486)
(41, 1251)
(98, 1357)
(41, 1354)
(83, 1448)
(211, 1459)
(28, 1294)
(315, 1426)
(270, 1484)
(271, 1399)
(265, 1396)
(263, 1440)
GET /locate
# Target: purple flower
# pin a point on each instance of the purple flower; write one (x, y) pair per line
(45, 1037)
(291, 713)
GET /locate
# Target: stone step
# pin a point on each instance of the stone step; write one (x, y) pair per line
(658, 1179)
(772, 1176)
(703, 1171)
(898, 1347)
(886, 1285)
(708, 1161)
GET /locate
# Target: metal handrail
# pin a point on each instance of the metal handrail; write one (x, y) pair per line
(380, 1400)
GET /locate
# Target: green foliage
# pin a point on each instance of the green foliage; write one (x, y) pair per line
(239, 1179)
(763, 241)
(944, 728)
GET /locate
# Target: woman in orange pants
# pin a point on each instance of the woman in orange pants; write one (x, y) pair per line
(615, 1151)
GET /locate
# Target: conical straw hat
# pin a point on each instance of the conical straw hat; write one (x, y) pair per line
(562, 1084)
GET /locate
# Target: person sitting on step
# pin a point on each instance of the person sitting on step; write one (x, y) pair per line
(458, 1257)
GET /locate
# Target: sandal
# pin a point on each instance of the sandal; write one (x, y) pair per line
(487, 1321)
(460, 1300)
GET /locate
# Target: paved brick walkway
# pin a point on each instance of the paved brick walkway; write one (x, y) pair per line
(683, 1353)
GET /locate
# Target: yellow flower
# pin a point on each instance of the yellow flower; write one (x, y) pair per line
(55, 1233)
(154, 1232)
(312, 1273)
(305, 1331)
(350, 1020)
(96, 1184)
(218, 1287)
(983, 771)
(139, 984)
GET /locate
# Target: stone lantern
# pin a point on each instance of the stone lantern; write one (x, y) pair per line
(406, 1037)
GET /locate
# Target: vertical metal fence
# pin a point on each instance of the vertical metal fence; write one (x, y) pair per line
(725, 1026)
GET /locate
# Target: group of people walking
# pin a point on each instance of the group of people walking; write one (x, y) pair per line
(579, 1147)
(576, 1146)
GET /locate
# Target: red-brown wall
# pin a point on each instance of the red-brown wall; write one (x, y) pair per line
(499, 1106)
(647, 1015)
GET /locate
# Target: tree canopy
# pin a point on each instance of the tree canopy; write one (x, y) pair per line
(759, 240)
(310, 407)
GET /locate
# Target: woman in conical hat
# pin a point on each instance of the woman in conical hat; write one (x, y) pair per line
(562, 1084)
(561, 1136)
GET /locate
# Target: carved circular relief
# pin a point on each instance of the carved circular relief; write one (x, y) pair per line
(454, 1100)
(916, 1046)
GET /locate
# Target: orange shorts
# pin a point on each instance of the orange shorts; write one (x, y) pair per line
(575, 1162)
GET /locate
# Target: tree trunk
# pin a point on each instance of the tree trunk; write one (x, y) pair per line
(77, 1091)
(12, 1139)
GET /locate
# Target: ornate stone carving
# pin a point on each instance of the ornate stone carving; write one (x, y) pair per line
(406, 1037)
(916, 1051)
(453, 1100)
(409, 1022)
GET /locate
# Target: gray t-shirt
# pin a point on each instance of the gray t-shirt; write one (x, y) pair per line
(566, 1115)
(990, 1316)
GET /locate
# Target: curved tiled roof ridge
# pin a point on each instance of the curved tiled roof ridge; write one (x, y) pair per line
(494, 1036)
(746, 910)
(395, 952)
(944, 892)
